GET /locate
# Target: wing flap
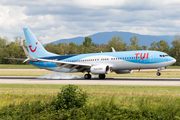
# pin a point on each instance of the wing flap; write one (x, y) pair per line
(72, 65)
(68, 63)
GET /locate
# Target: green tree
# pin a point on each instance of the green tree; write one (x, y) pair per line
(73, 48)
(88, 45)
(18, 40)
(144, 47)
(13, 50)
(51, 48)
(87, 42)
(163, 46)
(70, 97)
(118, 44)
(153, 46)
(160, 46)
(98, 48)
(134, 45)
(64, 48)
(3, 43)
(175, 49)
(81, 49)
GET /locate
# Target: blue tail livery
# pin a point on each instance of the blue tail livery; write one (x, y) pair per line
(34, 46)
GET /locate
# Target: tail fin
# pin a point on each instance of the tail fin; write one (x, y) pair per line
(34, 46)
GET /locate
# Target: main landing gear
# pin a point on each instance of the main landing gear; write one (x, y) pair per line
(102, 76)
(87, 76)
(158, 73)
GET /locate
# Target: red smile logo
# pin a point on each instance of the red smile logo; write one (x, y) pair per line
(31, 48)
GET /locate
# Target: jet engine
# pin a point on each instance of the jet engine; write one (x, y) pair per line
(123, 71)
(100, 69)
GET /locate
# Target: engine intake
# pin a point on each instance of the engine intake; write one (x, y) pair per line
(100, 69)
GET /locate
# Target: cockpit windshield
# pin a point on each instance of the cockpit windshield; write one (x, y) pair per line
(164, 55)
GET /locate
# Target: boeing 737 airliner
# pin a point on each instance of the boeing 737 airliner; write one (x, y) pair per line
(94, 63)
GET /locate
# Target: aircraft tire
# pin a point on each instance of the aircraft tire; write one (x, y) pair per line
(158, 74)
(87, 76)
(102, 76)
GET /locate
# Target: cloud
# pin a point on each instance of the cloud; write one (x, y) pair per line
(52, 20)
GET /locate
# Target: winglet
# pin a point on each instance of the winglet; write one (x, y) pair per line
(113, 50)
(28, 55)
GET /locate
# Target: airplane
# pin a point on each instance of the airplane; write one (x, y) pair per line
(95, 63)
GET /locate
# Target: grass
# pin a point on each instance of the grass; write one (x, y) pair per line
(19, 92)
(127, 102)
(173, 67)
(22, 72)
(11, 66)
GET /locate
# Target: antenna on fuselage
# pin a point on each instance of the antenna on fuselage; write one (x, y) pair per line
(113, 50)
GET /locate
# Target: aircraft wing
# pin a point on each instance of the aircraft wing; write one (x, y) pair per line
(71, 65)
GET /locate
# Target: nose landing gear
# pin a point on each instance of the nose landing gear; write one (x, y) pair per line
(158, 73)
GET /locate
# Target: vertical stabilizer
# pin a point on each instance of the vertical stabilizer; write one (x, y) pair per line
(34, 46)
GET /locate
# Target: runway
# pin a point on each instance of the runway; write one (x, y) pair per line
(94, 81)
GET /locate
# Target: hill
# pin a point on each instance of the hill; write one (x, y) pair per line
(104, 37)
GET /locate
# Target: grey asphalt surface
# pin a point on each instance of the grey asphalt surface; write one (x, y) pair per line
(94, 81)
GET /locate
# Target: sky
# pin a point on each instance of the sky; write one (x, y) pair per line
(51, 20)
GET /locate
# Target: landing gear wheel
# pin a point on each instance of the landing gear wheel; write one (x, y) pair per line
(102, 76)
(87, 76)
(158, 73)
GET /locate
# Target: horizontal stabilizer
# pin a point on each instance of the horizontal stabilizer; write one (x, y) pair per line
(20, 59)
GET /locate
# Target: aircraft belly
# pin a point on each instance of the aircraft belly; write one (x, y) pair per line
(125, 65)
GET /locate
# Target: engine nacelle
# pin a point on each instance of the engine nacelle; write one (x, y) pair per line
(100, 69)
(123, 71)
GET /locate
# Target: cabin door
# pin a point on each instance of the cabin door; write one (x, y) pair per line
(152, 57)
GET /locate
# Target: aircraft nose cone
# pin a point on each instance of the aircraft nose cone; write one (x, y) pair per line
(170, 61)
(174, 60)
